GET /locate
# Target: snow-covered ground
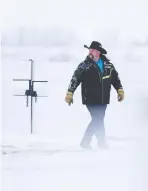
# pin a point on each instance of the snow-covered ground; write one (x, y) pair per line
(50, 158)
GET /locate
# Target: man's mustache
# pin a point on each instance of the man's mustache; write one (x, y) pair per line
(91, 56)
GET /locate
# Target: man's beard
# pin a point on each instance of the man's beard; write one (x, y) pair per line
(94, 58)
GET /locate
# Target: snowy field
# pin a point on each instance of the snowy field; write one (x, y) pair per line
(51, 159)
(53, 34)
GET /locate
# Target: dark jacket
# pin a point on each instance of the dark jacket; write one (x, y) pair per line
(95, 86)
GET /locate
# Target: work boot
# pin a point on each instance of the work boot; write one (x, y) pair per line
(103, 145)
(85, 146)
(85, 143)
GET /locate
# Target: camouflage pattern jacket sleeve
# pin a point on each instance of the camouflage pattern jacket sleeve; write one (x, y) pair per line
(77, 77)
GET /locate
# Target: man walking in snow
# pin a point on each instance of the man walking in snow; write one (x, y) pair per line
(96, 75)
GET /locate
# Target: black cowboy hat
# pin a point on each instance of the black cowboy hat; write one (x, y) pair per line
(96, 45)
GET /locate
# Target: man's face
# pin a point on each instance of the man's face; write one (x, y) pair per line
(94, 54)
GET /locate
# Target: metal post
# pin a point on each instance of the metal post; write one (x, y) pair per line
(30, 92)
(31, 87)
(31, 115)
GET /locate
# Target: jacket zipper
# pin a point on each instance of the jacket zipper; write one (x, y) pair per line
(102, 85)
(102, 88)
(100, 76)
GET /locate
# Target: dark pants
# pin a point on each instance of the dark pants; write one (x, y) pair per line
(96, 126)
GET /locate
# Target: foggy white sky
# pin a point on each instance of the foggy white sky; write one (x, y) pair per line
(84, 14)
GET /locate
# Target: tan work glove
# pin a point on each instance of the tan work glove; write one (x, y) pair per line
(120, 95)
(69, 98)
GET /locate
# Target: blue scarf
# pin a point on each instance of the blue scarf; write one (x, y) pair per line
(100, 63)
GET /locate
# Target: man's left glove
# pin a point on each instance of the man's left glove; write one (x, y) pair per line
(120, 95)
(69, 98)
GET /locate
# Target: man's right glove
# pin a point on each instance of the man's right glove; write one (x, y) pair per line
(120, 95)
(69, 98)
